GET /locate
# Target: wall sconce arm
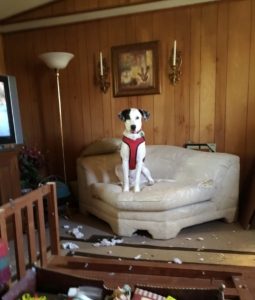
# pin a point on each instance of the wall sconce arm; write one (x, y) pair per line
(175, 66)
(102, 74)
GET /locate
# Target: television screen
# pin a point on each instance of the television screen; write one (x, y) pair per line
(5, 130)
(10, 124)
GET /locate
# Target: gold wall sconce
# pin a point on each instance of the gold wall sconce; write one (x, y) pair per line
(175, 62)
(102, 74)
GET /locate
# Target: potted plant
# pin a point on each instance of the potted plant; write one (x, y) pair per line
(31, 162)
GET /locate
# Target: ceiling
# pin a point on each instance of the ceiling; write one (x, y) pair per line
(10, 8)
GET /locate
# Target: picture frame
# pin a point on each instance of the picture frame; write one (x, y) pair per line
(135, 69)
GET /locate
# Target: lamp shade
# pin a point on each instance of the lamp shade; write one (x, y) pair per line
(56, 60)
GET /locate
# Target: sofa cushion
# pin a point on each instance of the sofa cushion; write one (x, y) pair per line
(163, 195)
(164, 161)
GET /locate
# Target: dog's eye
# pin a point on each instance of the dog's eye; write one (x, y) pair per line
(137, 118)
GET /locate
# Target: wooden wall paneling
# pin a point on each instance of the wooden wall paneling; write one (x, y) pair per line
(63, 7)
(247, 197)
(92, 32)
(117, 29)
(221, 76)
(250, 144)
(42, 83)
(107, 104)
(9, 176)
(19, 64)
(35, 14)
(106, 3)
(56, 41)
(195, 73)
(69, 7)
(238, 78)
(35, 137)
(2, 60)
(31, 113)
(250, 126)
(76, 5)
(208, 73)
(82, 62)
(80, 5)
(10, 63)
(135, 1)
(47, 96)
(133, 102)
(181, 93)
(164, 102)
(68, 86)
(39, 87)
(130, 37)
(48, 103)
(113, 3)
(215, 96)
(74, 118)
(144, 33)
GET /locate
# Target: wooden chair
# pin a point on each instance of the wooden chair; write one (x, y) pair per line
(26, 216)
(30, 214)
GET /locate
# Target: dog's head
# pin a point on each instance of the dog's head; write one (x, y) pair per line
(133, 118)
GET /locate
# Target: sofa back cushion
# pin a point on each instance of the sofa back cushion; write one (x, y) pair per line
(164, 161)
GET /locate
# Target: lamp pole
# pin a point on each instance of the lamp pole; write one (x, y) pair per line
(61, 125)
(57, 61)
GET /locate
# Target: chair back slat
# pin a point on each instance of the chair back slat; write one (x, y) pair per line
(19, 244)
(31, 234)
(26, 214)
(41, 233)
(53, 222)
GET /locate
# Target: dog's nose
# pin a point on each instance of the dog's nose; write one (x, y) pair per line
(133, 127)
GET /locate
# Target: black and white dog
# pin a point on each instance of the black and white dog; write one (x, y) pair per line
(133, 148)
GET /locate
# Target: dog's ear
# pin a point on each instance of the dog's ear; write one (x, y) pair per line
(145, 114)
(124, 115)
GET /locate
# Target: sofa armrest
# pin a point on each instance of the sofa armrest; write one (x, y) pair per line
(222, 168)
(99, 168)
(94, 169)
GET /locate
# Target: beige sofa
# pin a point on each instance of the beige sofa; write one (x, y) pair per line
(191, 187)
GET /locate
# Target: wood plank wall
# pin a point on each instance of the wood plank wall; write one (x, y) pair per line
(2, 62)
(213, 102)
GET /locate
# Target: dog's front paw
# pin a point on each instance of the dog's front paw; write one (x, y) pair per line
(151, 182)
(137, 189)
(126, 188)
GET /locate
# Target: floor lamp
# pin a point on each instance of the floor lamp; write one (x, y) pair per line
(57, 61)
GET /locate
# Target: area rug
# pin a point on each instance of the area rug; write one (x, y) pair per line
(95, 248)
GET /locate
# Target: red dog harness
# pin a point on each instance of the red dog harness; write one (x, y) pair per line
(133, 146)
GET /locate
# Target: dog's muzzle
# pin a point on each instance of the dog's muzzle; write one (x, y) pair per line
(132, 128)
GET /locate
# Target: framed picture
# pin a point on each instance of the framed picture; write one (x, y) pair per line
(135, 69)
